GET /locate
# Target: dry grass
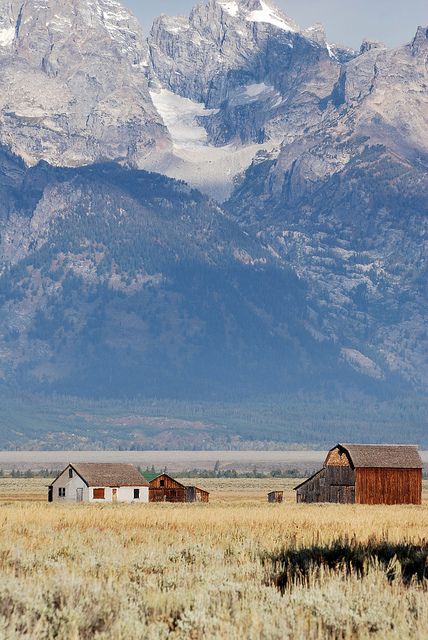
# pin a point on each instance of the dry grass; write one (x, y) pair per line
(117, 572)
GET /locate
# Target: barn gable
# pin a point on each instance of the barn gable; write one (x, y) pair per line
(338, 457)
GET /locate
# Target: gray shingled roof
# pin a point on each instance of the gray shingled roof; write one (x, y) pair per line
(110, 474)
(387, 456)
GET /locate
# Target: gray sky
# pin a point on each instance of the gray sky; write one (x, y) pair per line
(346, 21)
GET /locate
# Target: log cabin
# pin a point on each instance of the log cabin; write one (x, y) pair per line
(366, 474)
(167, 489)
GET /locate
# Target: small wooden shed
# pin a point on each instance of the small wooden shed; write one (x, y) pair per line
(366, 474)
(275, 497)
(164, 488)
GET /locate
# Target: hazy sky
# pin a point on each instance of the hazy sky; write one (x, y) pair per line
(346, 21)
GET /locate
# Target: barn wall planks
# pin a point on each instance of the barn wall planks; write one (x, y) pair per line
(194, 494)
(388, 486)
(331, 484)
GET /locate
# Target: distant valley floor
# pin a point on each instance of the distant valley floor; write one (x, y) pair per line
(174, 461)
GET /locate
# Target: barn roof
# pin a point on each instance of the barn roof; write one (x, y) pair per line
(110, 474)
(386, 456)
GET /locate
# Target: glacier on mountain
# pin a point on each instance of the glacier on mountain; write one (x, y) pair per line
(209, 168)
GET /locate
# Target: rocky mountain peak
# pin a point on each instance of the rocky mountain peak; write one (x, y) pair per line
(368, 45)
(420, 41)
(73, 88)
(262, 11)
(244, 66)
(316, 33)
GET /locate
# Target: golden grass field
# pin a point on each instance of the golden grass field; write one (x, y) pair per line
(157, 571)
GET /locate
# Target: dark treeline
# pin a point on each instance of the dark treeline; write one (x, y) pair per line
(29, 473)
(151, 473)
(279, 422)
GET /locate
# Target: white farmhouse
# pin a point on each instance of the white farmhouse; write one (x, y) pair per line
(92, 482)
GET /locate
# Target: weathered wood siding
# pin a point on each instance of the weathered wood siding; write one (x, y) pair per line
(276, 496)
(194, 494)
(388, 486)
(331, 484)
(167, 495)
(314, 489)
(166, 489)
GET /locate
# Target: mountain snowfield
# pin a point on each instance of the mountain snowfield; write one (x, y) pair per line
(211, 169)
(226, 202)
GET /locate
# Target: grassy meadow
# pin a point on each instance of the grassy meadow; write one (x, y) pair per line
(198, 572)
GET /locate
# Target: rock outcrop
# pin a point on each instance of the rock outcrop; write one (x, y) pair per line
(73, 89)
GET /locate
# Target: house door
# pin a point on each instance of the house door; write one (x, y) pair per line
(114, 494)
(79, 495)
(50, 494)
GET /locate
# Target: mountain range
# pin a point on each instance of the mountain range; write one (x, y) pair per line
(227, 207)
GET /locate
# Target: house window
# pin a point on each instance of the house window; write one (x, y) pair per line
(70, 472)
(61, 492)
(162, 483)
(99, 494)
(136, 494)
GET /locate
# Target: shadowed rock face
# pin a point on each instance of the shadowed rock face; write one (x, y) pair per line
(73, 88)
(122, 282)
(346, 205)
(251, 62)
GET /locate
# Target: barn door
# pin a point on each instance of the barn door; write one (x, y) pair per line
(114, 494)
(79, 495)
(50, 494)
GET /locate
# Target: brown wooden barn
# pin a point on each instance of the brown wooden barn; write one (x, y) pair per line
(366, 474)
(275, 496)
(166, 489)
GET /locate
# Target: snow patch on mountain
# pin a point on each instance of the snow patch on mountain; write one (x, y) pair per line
(180, 117)
(231, 8)
(6, 36)
(210, 169)
(253, 90)
(270, 16)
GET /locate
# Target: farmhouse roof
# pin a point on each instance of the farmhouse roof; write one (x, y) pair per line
(110, 474)
(386, 456)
